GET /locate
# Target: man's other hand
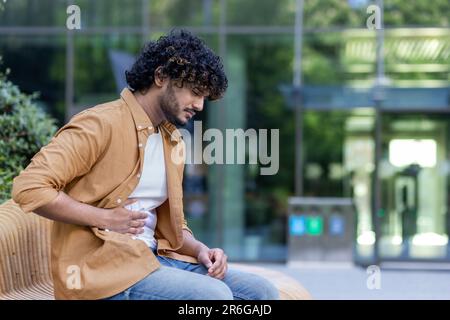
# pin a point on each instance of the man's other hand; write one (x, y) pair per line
(215, 260)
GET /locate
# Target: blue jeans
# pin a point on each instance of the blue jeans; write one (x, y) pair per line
(179, 280)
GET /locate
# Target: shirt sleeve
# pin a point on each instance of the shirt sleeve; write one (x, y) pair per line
(185, 227)
(183, 152)
(71, 153)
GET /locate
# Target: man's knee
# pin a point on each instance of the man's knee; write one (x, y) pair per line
(213, 289)
(250, 286)
(267, 291)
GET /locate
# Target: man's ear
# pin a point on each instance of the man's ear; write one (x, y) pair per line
(159, 77)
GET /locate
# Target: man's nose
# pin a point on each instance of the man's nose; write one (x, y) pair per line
(198, 104)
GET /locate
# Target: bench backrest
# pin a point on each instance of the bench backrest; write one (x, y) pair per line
(24, 254)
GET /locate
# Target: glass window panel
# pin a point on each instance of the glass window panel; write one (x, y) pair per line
(332, 14)
(261, 12)
(94, 64)
(261, 64)
(196, 13)
(37, 64)
(417, 13)
(42, 13)
(112, 13)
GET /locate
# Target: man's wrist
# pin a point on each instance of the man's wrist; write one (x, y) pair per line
(200, 247)
(99, 218)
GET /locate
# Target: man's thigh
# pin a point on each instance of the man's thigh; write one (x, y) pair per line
(249, 286)
(243, 285)
(168, 283)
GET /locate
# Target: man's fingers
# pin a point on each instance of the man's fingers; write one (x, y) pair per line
(220, 262)
(137, 223)
(135, 231)
(129, 201)
(208, 264)
(136, 215)
(220, 272)
(219, 259)
(215, 261)
(217, 270)
(219, 265)
(216, 265)
(205, 259)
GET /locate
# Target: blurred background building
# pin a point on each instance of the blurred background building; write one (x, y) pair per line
(383, 144)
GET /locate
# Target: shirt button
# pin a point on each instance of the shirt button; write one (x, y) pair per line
(138, 175)
(140, 145)
(119, 200)
(139, 127)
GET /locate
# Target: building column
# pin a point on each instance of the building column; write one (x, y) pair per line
(226, 181)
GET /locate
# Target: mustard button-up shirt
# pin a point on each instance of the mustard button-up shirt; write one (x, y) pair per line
(96, 159)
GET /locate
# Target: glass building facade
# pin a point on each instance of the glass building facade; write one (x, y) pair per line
(391, 156)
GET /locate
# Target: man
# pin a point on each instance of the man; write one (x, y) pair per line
(109, 181)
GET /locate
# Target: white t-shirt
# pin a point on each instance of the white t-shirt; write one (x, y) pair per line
(151, 190)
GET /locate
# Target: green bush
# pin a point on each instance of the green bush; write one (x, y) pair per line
(25, 128)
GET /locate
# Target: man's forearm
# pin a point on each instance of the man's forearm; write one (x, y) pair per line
(191, 246)
(66, 209)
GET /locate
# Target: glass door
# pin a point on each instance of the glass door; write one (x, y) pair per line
(414, 177)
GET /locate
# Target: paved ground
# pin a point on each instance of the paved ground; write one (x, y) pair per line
(350, 282)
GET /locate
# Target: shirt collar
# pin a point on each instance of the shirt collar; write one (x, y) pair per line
(142, 120)
(175, 134)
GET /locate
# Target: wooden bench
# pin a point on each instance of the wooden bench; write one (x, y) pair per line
(25, 260)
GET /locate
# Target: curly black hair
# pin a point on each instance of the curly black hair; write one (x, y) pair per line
(182, 57)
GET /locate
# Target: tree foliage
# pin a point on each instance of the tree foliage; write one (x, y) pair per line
(25, 128)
